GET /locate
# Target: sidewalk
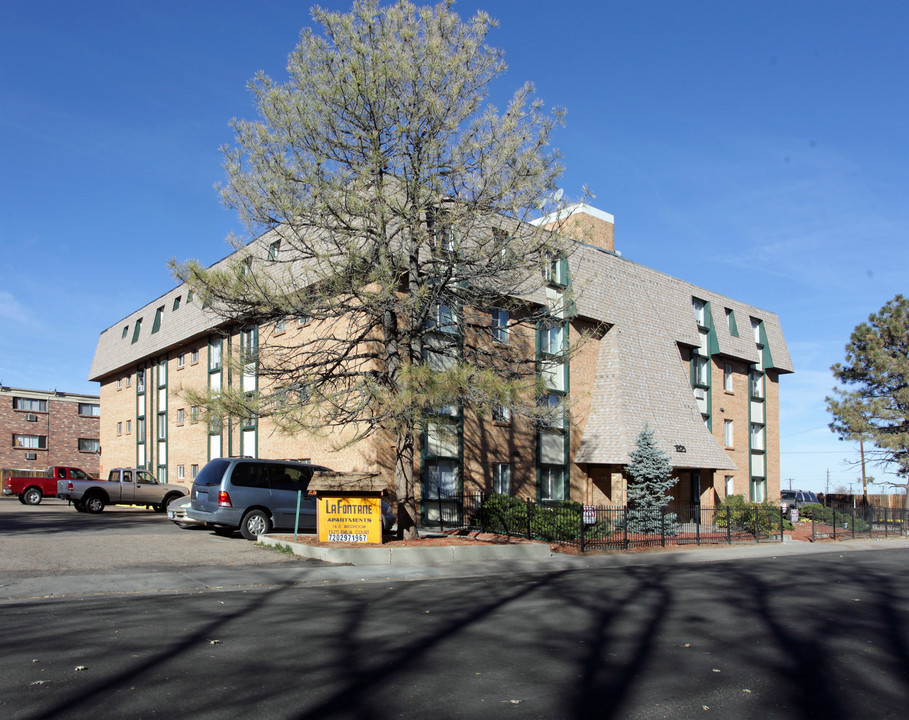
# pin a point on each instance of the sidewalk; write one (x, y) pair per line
(213, 578)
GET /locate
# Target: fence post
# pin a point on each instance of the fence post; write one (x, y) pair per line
(625, 524)
(853, 523)
(728, 525)
(583, 528)
(756, 513)
(869, 511)
(697, 525)
(833, 509)
(663, 526)
(781, 524)
(528, 517)
(441, 518)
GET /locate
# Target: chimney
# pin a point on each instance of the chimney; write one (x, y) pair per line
(583, 223)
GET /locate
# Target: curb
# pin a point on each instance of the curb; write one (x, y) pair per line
(378, 555)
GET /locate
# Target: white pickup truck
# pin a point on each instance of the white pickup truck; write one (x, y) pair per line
(124, 486)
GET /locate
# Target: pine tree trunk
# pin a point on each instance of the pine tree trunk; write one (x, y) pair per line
(404, 486)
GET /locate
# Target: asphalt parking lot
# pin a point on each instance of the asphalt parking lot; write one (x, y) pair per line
(53, 539)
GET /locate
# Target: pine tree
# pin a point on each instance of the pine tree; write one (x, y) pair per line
(649, 488)
(392, 206)
(873, 402)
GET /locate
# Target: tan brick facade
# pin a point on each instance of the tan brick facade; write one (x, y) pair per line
(52, 421)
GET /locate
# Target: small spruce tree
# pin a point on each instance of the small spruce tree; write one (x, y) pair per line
(649, 486)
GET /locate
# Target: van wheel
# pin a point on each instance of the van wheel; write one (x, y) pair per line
(32, 496)
(254, 524)
(94, 504)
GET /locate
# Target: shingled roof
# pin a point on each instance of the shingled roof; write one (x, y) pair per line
(640, 376)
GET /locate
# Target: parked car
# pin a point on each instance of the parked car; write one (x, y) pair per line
(255, 496)
(797, 499)
(124, 486)
(176, 511)
(31, 490)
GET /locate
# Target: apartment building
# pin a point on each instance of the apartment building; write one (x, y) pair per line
(699, 368)
(40, 429)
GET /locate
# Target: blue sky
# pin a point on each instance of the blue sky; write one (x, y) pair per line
(758, 149)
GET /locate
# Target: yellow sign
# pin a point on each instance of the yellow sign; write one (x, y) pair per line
(349, 519)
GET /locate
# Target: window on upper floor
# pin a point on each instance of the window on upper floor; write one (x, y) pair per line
(727, 377)
(274, 250)
(501, 414)
(730, 321)
(136, 330)
(89, 410)
(29, 404)
(500, 329)
(728, 433)
(31, 442)
(757, 385)
(89, 445)
(501, 478)
(552, 337)
(700, 311)
(159, 315)
(176, 305)
(757, 436)
(756, 330)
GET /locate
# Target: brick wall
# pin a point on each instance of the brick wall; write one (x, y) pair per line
(60, 424)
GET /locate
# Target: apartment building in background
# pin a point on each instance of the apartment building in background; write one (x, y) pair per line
(40, 429)
(699, 368)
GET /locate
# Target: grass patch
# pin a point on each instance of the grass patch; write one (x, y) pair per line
(281, 548)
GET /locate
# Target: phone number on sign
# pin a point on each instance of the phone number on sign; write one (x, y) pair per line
(345, 537)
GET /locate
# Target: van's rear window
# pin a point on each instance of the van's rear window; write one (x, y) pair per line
(212, 473)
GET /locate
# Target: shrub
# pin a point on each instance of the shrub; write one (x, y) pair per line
(829, 516)
(562, 520)
(739, 514)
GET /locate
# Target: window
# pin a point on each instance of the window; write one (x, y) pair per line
(181, 360)
(757, 385)
(129, 425)
(176, 303)
(728, 433)
(280, 325)
(552, 338)
(181, 473)
(32, 442)
(758, 490)
(554, 412)
(89, 445)
(129, 381)
(29, 404)
(700, 369)
(730, 485)
(194, 414)
(245, 266)
(274, 250)
(553, 271)
(214, 354)
(501, 414)
(189, 296)
(119, 383)
(500, 329)
(125, 331)
(303, 319)
(442, 317)
(162, 373)
(441, 479)
(140, 380)
(140, 429)
(194, 470)
(756, 330)
(727, 377)
(89, 409)
(730, 321)
(136, 330)
(162, 426)
(194, 356)
(757, 436)
(700, 311)
(119, 428)
(180, 415)
(501, 478)
(552, 482)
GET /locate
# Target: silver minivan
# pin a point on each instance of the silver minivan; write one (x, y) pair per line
(254, 496)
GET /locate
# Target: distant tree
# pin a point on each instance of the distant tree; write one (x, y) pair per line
(649, 487)
(396, 201)
(872, 405)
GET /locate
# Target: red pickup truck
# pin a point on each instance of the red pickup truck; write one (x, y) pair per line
(31, 490)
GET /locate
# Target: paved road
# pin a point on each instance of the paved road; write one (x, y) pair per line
(52, 546)
(821, 636)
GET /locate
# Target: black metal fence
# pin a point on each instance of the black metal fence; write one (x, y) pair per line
(845, 522)
(604, 528)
